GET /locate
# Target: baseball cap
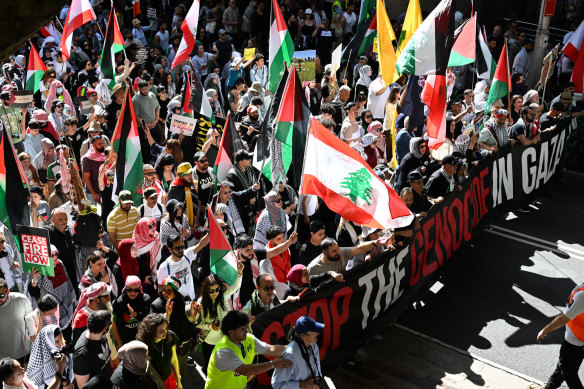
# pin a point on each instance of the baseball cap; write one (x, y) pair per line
(242, 155)
(199, 155)
(449, 160)
(222, 31)
(125, 197)
(252, 109)
(501, 113)
(305, 324)
(414, 176)
(150, 192)
(308, 11)
(565, 97)
(184, 169)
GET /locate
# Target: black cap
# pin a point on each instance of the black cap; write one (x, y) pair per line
(414, 176)
(36, 189)
(449, 160)
(5, 95)
(242, 155)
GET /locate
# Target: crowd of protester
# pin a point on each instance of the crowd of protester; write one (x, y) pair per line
(133, 296)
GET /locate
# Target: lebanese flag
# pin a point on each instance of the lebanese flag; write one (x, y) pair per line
(51, 30)
(573, 50)
(126, 143)
(80, 13)
(189, 30)
(428, 50)
(223, 262)
(434, 96)
(281, 47)
(36, 70)
(502, 81)
(339, 175)
(464, 48)
(230, 143)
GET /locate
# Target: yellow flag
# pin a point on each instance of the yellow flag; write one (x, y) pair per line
(386, 36)
(411, 23)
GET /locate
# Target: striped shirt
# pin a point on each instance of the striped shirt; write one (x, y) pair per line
(121, 224)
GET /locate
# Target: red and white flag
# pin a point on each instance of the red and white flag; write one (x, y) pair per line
(351, 189)
(434, 96)
(51, 30)
(574, 50)
(189, 30)
(80, 13)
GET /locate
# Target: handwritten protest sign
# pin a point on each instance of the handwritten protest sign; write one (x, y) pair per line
(183, 125)
(35, 248)
(249, 53)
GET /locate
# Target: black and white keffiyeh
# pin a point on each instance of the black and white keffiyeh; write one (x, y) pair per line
(42, 366)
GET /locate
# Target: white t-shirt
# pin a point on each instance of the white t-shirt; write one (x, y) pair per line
(180, 270)
(155, 212)
(571, 312)
(351, 20)
(377, 103)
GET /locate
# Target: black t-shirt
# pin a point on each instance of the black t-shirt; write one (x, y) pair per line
(224, 52)
(520, 128)
(160, 354)
(308, 252)
(247, 279)
(212, 154)
(204, 187)
(74, 142)
(437, 185)
(92, 357)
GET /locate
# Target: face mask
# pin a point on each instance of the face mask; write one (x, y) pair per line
(59, 90)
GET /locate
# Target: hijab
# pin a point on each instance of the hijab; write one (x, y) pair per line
(461, 144)
(295, 275)
(43, 159)
(415, 147)
(274, 212)
(127, 264)
(133, 357)
(148, 242)
(65, 97)
(364, 77)
(42, 366)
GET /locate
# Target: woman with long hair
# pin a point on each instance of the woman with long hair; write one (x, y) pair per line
(149, 252)
(130, 308)
(45, 83)
(165, 170)
(29, 170)
(134, 370)
(174, 222)
(98, 269)
(516, 105)
(42, 366)
(42, 160)
(214, 306)
(161, 342)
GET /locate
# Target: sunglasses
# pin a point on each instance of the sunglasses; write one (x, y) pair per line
(179, 248)
(216, 290)
(132, 290)
(2, 241)
(152, 225)
(368, 116)
(266, 288)
(278, 201)
(149, 174)
(54, 255)
(203, 161)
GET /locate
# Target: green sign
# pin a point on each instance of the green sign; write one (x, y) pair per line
(36, 250)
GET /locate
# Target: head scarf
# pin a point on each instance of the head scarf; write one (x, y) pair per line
(19, 61)
(94, 155)
(295, 275)
(415, 147)
(89, 293)
(133, 357)
(461, 144)
(171, 281)
(210, 93)
(132, 280)
(275, 213)
(364, 77)
(368, 139)
(127, 264)
(171, 106)
(47, 158)
(65, 96)
(148, 242)
(209, 81)
(42, 367)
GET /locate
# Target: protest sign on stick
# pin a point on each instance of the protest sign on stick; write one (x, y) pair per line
(36, 250)
(183, 125)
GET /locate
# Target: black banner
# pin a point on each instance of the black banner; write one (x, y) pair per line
(204, 124)
(377, 292)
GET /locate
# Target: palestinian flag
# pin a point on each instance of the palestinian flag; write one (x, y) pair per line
(230, 143)
(502, 80)
(281, 47)
(386, 56)
(339, 175)
(575, 51)
(187, 104)
(223, 262)
(367, 9)
(464, 48)
(428, 50)
(486, 64)
(362, 40)
(291, 128)
(199, 100)
(411, 23)
(262, 158)
(36, 70)
(112, 44)
(13, 185)
(126, 143)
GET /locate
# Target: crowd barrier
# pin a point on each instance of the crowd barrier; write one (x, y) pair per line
(377, 292)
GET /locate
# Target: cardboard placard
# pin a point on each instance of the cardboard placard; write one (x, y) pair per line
(151, 13)
(22, 98)
(36, 250)
(85, 105)
(249, 53)
(183, 125)
(141, 55)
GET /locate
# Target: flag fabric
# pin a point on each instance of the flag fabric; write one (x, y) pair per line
(281, 47)
(80, 13)
(341, 177)
(412, 105)
(187, 106)
(362, 40)
(434, 96)
(223, 262)
(412, 21)
(230, 144)
(51, 30)
(367, 9)
(112, 44)
(189, 30)
(574, 50)
(386, 55)
(291, 127)
(13, 185)
(464, 48)
(336, 58)
(136, 8)
(428, 50)
(262, 157)
(486, 65)
(126, 143)
(35, 71)
(501, 81)
(199, 100)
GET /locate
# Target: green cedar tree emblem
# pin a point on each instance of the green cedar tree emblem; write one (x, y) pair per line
(359, 185)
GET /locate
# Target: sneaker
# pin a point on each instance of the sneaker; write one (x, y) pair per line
(191, 362)
(538, 386)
